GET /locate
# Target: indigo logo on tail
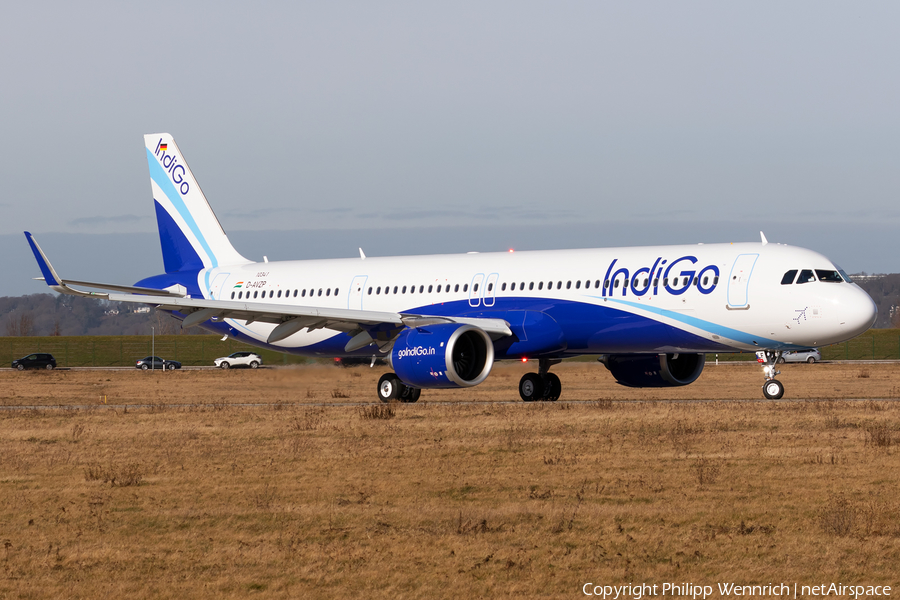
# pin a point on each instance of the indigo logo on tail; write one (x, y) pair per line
(170, 164)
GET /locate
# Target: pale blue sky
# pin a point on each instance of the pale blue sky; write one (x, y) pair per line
(675, 122)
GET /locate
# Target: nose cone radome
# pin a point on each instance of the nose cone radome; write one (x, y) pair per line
(859, 313)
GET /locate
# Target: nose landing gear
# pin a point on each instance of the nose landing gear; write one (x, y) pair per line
(541, 386)
(772, 388)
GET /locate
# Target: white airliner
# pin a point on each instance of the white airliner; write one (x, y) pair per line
(652, 312)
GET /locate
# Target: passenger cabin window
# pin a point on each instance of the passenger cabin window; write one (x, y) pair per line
(531, 286)
(568, 285)
(490, 287)
(320, 291)
(806, 276)
(829, 276)
(502, 287)
(788, 278)
(456, 287)
(232, 295)
(540, 285)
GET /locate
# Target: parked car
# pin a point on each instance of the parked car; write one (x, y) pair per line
(155, 362)
(809, 355)
(39, 360)
(239, 359)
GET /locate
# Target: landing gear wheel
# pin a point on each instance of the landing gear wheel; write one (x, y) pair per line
(773, 390)
(531, 387)
(409, 394)
(388, 387)
(552, 388)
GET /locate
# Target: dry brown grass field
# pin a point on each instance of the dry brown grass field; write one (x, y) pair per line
(172, 489)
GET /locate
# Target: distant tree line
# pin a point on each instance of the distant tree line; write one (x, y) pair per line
(885, 291)
(56, 314)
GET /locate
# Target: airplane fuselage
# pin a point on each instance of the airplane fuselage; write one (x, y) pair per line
(697, 298)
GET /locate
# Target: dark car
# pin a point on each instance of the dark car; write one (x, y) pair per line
(39, 360)
(155, 362)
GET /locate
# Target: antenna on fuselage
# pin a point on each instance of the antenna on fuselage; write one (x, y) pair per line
(763, 236)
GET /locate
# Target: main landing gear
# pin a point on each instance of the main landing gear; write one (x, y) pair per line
(772, 388)
(543, 385)
(391, 388)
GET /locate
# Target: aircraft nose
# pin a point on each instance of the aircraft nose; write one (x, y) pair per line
(860, 312)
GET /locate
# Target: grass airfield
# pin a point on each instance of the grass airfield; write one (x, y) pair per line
(176, 488)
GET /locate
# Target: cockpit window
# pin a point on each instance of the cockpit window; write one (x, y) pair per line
(843, 274)
(788, 278)
(830, 276)
(806, 276)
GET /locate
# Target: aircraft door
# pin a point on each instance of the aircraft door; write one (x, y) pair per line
(357, 290)
(490, 289)
(476, 290)
(739, 279)
(216, 289)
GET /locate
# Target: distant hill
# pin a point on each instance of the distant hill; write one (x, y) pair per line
(54, 314)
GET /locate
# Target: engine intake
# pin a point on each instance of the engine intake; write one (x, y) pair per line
(445, 355)
(655, 370)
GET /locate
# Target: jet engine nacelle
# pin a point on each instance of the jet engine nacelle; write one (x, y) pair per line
(655, 370)
(445, 355)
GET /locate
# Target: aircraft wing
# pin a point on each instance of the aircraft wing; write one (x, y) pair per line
(365, 326)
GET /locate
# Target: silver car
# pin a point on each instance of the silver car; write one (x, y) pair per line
(810, 356)
(239, 359)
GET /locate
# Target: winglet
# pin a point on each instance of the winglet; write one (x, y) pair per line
(763, 236)
(53, 280)
(50, 275)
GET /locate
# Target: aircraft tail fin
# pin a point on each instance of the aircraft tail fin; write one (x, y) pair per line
(189, 232)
